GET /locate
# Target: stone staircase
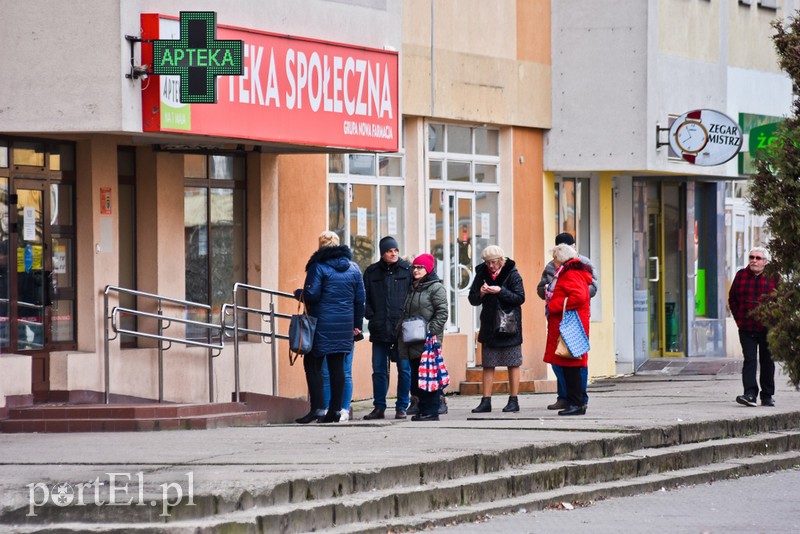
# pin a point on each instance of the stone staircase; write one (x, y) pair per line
(473, 385)
(129, 417)
(466, 488)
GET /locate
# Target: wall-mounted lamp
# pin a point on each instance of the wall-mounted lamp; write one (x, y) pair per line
(139, 71)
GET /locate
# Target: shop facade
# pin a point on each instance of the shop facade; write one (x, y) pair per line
(663, 228)
(353, 117)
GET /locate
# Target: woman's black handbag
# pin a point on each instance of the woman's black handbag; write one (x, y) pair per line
(505, 322)
(301, 332)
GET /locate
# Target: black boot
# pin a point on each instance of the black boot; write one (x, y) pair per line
(485, 406)
(330, 417)
(311, 416)
(512, 406)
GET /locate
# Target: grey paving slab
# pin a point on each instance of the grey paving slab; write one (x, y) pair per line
(230, 461)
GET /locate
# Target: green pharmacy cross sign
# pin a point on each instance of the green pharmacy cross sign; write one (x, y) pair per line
(198, 57)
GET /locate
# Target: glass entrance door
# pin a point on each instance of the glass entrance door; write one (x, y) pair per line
(41, 307)
(659, 270)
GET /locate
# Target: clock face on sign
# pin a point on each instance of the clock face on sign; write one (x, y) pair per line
(691, 137)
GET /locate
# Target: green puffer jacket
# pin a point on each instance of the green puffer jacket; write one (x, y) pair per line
(429, 301)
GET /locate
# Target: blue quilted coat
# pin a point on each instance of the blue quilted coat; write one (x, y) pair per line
(334, 294)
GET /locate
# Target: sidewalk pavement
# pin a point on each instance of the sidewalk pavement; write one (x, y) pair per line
(229, 461)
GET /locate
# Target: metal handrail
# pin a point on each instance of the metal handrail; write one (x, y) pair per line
(160, 301)
(268, 315)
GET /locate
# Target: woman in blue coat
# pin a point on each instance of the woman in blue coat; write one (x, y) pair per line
(334, 294)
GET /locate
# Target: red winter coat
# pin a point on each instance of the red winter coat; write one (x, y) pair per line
(573, 285)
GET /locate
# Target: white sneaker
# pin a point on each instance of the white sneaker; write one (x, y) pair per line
(344, 415)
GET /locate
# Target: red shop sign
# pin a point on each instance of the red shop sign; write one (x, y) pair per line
(294, 91)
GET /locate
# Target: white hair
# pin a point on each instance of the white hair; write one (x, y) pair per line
(563, 253)
(761, 250)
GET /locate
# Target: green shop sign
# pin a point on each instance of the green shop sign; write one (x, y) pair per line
(198, 57)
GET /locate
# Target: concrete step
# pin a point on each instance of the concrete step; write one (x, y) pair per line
(129, 418)
(473, 383)
(401, 497)
(578, 495)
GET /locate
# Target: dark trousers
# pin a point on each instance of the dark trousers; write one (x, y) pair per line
(576, 391)
(312, 364)
(428, 400)
(756, 350)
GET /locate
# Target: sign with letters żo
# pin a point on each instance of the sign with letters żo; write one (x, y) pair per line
(198, 57)
(705, 137)
(293, 91)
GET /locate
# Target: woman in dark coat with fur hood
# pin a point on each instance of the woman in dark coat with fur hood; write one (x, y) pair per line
(498, 284)
(334, 293)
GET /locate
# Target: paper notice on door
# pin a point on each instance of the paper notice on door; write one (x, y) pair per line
(60, 260)
(29, 223)
(486, 226)
(391, 220)
(431, 227)
(362, 221)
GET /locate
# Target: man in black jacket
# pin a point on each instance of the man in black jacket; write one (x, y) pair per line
(386, 283)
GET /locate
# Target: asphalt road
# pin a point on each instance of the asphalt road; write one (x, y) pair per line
(767, 503)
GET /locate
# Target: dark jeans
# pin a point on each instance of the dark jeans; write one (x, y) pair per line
(312, 364)
(380, 377)
(755, 349)
(576, 392)
(428, 400)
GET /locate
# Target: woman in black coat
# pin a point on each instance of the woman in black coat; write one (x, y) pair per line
(498, 284)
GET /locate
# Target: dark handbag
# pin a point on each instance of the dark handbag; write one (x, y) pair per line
(505, 322)
(301, 332)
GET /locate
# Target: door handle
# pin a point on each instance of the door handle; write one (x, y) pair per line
(658, 271)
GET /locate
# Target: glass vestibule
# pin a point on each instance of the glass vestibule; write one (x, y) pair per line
(659, 249)
(464, 185)
(37, 253)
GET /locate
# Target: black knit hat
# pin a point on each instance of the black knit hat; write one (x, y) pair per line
(565, 238)
(386, 244)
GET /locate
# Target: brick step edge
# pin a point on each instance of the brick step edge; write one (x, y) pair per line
(112, 411)
(195, 422)
(525, 386)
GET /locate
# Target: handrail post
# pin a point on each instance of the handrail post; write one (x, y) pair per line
(236, 341)
(106, 356)
(160, 355)
(211, 356)
(273, 345)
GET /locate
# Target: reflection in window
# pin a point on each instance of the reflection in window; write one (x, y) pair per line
(366, 202)
(363, 231)
(459, 139)
(458, 171)
(572, 210)
(214, 235)
(30, 154)
(4, 263)
(62, 158)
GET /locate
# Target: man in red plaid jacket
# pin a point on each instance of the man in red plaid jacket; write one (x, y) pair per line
(750, 287)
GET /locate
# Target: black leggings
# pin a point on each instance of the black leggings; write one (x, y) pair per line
(312, 364)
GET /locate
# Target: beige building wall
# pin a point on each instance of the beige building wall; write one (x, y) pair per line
(477, 61)
(749, 24)
(688, 29)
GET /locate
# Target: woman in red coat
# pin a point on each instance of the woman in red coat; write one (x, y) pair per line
(571, 282)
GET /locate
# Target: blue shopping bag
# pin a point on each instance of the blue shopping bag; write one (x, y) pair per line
(572, 334)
